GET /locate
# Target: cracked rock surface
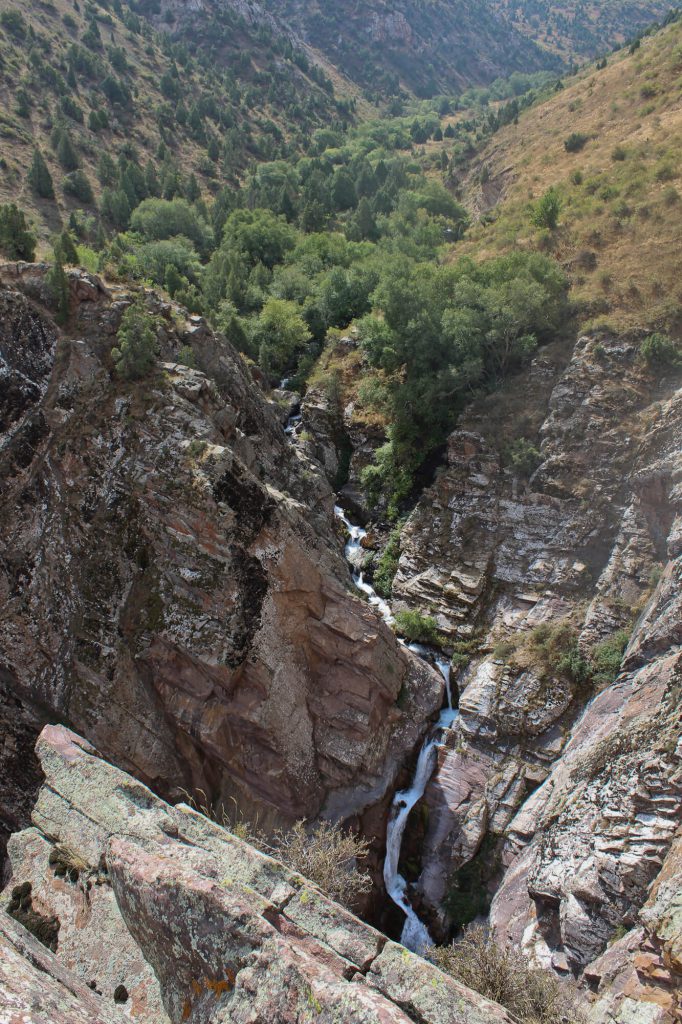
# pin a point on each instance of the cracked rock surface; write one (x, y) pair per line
(163, 907)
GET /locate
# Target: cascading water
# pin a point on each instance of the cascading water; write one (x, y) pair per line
(415, 934)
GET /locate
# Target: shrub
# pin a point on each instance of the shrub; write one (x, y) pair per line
(14, 22)
(77, 185)
(660, 352)
(326, 855)
(417, 628)
(575, 142)
(16, 240)
(618, 153)
(135, 353)
(546, 211)
(532, 995)
(607, 656)
(387, 566)
(523, 456)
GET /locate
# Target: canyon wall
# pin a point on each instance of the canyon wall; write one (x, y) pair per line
(172, 581)
(561, 786)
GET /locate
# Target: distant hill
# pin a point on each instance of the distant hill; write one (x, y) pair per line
(579, 28)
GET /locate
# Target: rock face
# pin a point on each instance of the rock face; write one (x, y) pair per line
(171, 579)
(166, 916)
(574, 775)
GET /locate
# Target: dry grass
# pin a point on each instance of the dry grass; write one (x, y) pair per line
(323, 853)
(532, 995)
(620, 234)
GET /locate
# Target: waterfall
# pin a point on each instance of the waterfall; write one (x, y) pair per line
(415, 934)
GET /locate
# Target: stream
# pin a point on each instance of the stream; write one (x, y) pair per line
(415, 935)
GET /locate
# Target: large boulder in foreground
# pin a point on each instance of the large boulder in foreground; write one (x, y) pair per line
(157, 911)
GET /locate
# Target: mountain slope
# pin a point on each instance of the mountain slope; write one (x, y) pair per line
(101, 77)
(575, 28)
(620, 225)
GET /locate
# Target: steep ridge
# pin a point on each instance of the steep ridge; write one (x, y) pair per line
(173, 583)
(568, 559)
(176, 919)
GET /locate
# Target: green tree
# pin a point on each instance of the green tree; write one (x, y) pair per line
(58, 285)
(135, 352)
(16, 240)
(280, 334)
(77, 185)
(39, 177)
(65, 250)
(66, 152)
(546, 211)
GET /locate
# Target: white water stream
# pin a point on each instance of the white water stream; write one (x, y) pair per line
(415, 934)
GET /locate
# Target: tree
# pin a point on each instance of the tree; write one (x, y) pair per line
(58, 285)
(39, 177)
(65, 250)
(116, 208)
(343, 190)
(281, 333)
(77, 185)
(546, 211)
(66, 152)
(16, 240)
(135, 352)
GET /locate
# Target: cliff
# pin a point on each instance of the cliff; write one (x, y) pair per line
(561, 786)
(155, 914)
(173, 585)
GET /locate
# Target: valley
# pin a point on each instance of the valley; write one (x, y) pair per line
(341, 460)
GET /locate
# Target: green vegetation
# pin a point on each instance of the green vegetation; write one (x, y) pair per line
(39, 177)
(135, 352)
(546, 211)
(660, 352)
(387, 564)
(576, 141)
(417, 628)
(17, 242)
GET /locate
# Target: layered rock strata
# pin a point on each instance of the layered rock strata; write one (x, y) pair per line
(577, 771)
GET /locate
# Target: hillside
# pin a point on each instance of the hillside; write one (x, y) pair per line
(576, 28)
(620, 226)
(99, 76)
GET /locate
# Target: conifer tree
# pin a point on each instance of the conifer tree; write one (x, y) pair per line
(39, 177)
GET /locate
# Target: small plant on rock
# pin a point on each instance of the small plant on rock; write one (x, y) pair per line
(532, 995)
(417, 628)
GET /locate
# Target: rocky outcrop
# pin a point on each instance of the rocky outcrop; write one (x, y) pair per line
(164, 915)
(527, 576)
(171, 580)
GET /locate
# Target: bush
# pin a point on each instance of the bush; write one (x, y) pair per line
(660, 352)
(417, 628)
(16, 241)
(524, 457)
(607, 656)
(14, 22)
(135, 353)
(327, 856)
(575, 142)
(546, 211)
(387, 566)
(532, 995)
(58, 286)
